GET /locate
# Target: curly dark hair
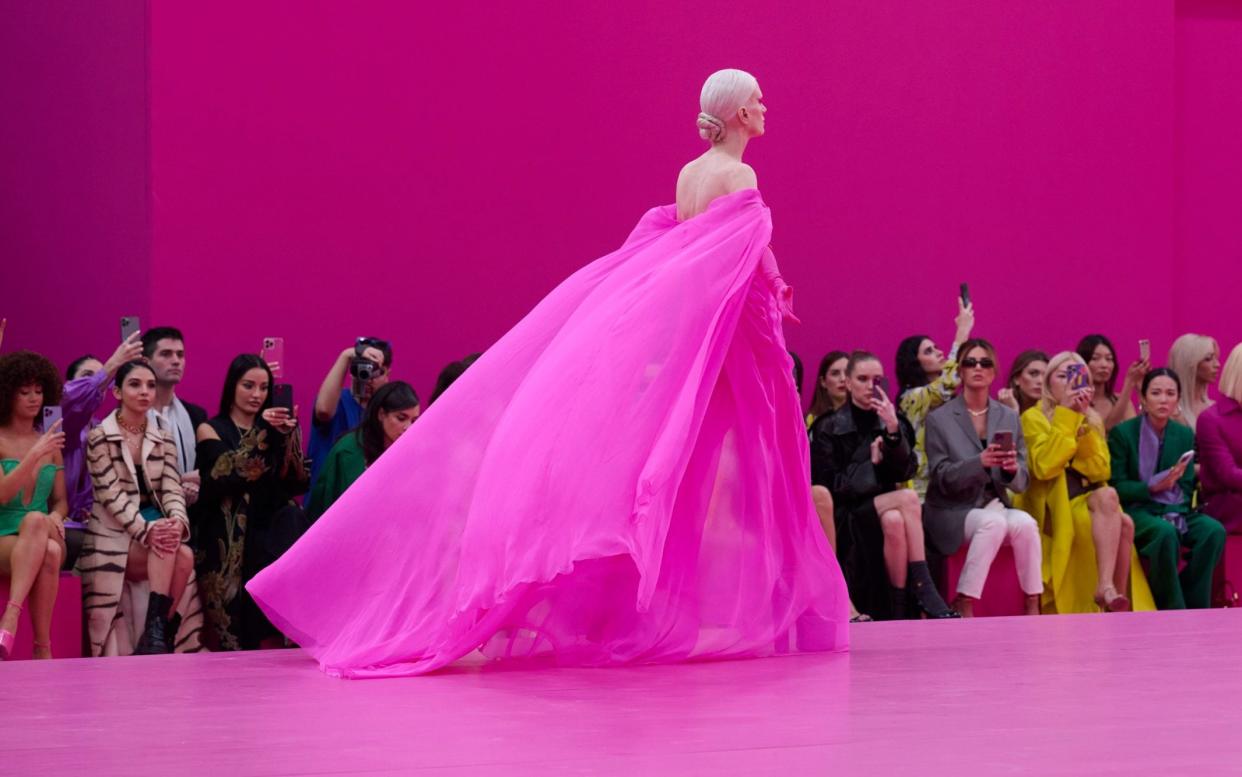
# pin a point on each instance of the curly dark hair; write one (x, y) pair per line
(26, 368)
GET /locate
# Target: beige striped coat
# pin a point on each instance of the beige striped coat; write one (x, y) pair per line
(115, 524)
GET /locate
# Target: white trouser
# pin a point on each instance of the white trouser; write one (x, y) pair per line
(987, 528)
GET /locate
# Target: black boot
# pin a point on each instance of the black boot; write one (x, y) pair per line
(898, 603)
(154, 638)
(174, 625)
(919, 582)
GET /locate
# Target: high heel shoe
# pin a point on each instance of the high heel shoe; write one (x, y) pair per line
(1115, 603)
(926, 597)
(6, 636)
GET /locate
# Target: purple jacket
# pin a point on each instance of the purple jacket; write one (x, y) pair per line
(82, 397)
(1219, 434)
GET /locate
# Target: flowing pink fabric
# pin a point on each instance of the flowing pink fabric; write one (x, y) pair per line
(623, 477)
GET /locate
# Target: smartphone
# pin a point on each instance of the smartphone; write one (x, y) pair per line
(1186, 458)
(1145, 350)
(1003, 439)
(1076, 377)
(51, 414)
(282, 396)
(129, 325)
(965, 292)
(879, 388)
(274, 354)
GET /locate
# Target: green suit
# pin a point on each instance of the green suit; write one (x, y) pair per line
(1156, 539)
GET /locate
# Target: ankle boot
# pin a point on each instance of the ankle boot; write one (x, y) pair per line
(174, 625)
(154, 638)
(919, 583)
(898, 603)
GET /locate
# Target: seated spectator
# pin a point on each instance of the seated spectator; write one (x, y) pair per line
(927, 379)
(1101, 358)
(798, 372)
(33, 504)
(1196, 360)
(970, 480)
(390, 412)
(367, 364)
(1087, 539)
(250, 457)
(164, 349)
(139, 516)
(1220, 448)
(449, 374)
(1026, 381)
(86, 382)
(1156, 489)
(862, 454)
(830, 391)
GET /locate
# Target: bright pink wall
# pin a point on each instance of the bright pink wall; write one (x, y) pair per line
(74, 248)
(1209, 186)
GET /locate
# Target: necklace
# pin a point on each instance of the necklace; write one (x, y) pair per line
(137, 430)
(977, 413)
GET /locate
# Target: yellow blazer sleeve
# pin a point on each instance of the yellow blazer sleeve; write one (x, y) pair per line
(1050, 444)
(1093, 459)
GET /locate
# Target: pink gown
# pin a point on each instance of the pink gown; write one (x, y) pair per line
(621, 478)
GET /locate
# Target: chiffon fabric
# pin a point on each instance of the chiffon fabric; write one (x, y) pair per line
(621, 478)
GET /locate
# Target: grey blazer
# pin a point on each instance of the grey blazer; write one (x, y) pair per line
(957, 478)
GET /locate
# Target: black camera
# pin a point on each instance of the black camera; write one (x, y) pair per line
(364, 369)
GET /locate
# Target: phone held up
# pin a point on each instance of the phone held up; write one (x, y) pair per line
(51, 415)
(1076, 377)
(274, 354)
(1003, 440)
(879, 389)
(1145, 350)
(129, 325)
(964, 290)
(282, 396)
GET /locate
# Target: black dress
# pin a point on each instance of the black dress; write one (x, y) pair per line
(841, 462)
(245, 518)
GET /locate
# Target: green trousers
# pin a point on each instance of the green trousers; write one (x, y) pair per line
(1158, 541)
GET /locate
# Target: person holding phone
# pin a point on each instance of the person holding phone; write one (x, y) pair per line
(139, 516)
(1088, 540)
(927, 378)
(976, 456)
(33, 501)
(1219, 435)
(1153, 472)
(367, 365)
(862, 454)
(250, 455)
(1101, 358)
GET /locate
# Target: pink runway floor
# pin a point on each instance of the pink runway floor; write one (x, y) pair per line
(1153, 693)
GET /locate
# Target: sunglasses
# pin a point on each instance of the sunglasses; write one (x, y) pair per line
(971, 362)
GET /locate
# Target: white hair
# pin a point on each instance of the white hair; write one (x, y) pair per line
(1184, 357)
(723, 93)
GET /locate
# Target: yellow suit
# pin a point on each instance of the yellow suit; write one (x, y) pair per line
(1069, 567)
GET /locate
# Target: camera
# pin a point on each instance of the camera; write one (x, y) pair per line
(364, 369)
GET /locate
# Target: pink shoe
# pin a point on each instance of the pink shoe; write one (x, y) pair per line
(6, 636)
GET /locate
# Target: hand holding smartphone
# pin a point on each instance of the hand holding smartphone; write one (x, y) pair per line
(964, 291)
(1186, 458)
(282, 396)
(1145, 350)
(129, 325)
(274, 354)
(52, 414)
(1003, 440)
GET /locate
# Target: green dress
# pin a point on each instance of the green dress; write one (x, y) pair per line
(13, 511)
(344, 465)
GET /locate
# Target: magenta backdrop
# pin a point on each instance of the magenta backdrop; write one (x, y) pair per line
(427, 173)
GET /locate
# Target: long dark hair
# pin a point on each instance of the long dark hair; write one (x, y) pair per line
(392, 397)
(1024, 360)
(78, 362)
(1086, 349)
(237, 368)
(910, 373)
(820, 401)
(451, 372)
(797, 371)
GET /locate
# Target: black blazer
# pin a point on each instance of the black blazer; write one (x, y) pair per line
(841, 456)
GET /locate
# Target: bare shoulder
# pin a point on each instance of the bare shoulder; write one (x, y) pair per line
(205, 432)
(741, 176)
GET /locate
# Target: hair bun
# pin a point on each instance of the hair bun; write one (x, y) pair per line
(711, 128)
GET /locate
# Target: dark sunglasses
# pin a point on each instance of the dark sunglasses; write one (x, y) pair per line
(971, 362)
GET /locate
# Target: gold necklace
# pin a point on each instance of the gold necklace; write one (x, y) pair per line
(977, 413)
(139, 430)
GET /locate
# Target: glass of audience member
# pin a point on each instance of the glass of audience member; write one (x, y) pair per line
(139, 515)
(86, 383)
(830, 387)
(1152, 473)
(1196, 360)
(1101, 358)
(164, 348)
(863, 454)
(1220, 448)
(1025, 385)
(250, 456)
(451, 372)
(971, 476)
(1090, 539)
(927, 378)
(33, 503)
(367, 365)
(391, 411)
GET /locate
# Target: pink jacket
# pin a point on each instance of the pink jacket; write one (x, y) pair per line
(1219, 434)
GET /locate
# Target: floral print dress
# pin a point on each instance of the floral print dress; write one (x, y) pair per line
(245, 512)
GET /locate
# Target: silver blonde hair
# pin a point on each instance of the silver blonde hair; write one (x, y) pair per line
(1184, 357)
(723, 93)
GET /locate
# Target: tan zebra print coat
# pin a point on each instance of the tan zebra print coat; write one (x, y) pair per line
(115, 524)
